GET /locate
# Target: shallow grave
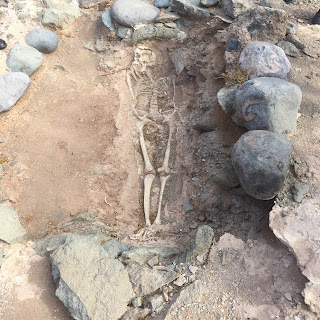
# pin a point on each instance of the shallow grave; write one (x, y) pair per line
(159, 160)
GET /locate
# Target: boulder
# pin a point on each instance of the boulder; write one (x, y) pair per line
(91, 285)
(190, 8)
(11, 230)
(24, 59)
(234, 8)
(43, 40)
(132, 12)
(263, 59)
(265, 24)
(268, 104)
(12, 87)
(261, 161)
(60, 14)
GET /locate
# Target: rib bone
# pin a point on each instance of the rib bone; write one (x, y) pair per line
(148, 179)
(163, 181)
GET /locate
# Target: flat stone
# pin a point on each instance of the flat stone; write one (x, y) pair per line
(105, 290)
(264, 59)
(61, 15)
(226, 98)
(24, 59)
(289, 48)
(190, 8)
(146, 281)
(132, 12)
(261, 161)
(107, 19)
(299, 230)
(209, 3)
(43, 40)
(12, 87)
(89, 3)
(234, 8)
(264, 24)
(162, 3)
(268, 104)
(11, 230)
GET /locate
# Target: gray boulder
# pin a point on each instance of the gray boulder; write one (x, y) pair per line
(107, 19)
(131, 12)
(43, 40)
(263, 59)
(268, 104)
(265, 24)
(234, 8)
(24, 59)
(261, 160)
(190, 8)
(60, 14)
(91, 285)
(11, 230)
(12, 87)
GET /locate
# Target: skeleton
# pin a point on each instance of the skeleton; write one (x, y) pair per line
(141, 84)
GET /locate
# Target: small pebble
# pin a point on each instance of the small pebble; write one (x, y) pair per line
(3, 44)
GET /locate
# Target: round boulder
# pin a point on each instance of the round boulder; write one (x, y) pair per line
(263, 59)
(43, 40)
(24, 59)
(261, 160)
(131, 12)
(267, 104)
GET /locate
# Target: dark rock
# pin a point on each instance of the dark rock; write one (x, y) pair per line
(261, 161)
(24, 59)
(43, 40)
(289, 48)
(232, 44)
(12, 87)
(268, 104)
(265, 24)
(3, 44)
(190, 8)
(263, 59)
(299, 191)
(131, 12)
(234, 8)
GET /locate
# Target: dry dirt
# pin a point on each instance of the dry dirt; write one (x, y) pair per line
(71, 144)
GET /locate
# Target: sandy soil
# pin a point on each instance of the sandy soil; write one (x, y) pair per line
(71, 144)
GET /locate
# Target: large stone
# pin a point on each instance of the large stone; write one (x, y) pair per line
(11, 230)
(263, 59)
(60, 15)
(261, 160)
(265, 24)
(299, 229)
(12, 87)
(91, 285)
(132, 12)
(146, 281)
(268, 104)
(24, 59)
(43, 40)
(190, 8)
(234, 8)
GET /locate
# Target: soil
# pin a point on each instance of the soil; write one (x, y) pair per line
(71, 146)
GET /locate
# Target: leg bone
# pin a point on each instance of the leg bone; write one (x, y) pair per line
(163, 181)
(148, 179)
(147, 163)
